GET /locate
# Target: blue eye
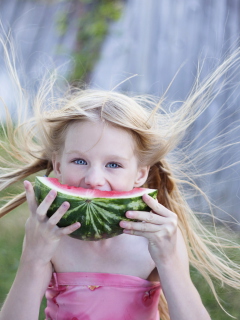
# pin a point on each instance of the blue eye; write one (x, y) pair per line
(113, 165)
(80, 162)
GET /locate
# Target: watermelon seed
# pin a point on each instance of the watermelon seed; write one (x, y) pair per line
(88, 200)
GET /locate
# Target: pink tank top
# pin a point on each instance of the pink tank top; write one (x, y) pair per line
(101, 296)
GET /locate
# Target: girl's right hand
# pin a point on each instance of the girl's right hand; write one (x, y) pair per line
(42, 233)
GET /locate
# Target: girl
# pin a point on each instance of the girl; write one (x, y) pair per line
(108, 141)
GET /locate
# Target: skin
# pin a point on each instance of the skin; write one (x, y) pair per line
(105, 160)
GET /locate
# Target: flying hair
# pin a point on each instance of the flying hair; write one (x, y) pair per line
(39, 130)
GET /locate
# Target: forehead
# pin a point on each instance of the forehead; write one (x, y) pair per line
(88, 135)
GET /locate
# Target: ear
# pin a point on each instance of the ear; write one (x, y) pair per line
(56, 166)
(142, 175)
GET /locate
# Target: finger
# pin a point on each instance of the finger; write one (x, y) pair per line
(140, 226)
(56, 217)
(147, 235)
(30, 195)
(69, 229)
(45, 205)
(149, 217)
(156, 206)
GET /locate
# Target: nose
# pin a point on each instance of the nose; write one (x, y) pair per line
(94, 179)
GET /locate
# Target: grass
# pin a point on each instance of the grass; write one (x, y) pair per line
(229, 298)
(11, 237)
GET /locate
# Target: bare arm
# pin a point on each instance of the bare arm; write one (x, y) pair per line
(34, 273)
(25, 296)
(183, 299)
(168, 250)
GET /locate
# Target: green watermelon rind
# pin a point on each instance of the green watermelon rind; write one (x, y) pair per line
(102, 217)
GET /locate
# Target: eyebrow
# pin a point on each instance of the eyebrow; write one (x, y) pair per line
(72, 151)
(112, 156)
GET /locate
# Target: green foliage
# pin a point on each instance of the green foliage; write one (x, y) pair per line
(11, 239)
(229, 297)
(92, 28)
(62, 23)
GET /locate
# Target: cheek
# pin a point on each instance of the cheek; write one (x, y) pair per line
(69, 176)
(124, 183)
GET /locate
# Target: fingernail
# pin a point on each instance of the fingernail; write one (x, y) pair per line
(66, 204)
(129, 214)
(76, 225)
(53, 193)
(25, 183)
(147, 196)
(123, 224)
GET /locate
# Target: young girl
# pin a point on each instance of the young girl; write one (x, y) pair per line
(108, 141)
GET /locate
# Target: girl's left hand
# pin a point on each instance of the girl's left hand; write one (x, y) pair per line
(159, 226)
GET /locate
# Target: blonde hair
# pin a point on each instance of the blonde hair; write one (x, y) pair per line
(31, 141)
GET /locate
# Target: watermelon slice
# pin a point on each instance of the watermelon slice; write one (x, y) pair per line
(99, 212)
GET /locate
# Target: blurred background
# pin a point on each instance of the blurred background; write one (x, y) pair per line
(137, 46)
